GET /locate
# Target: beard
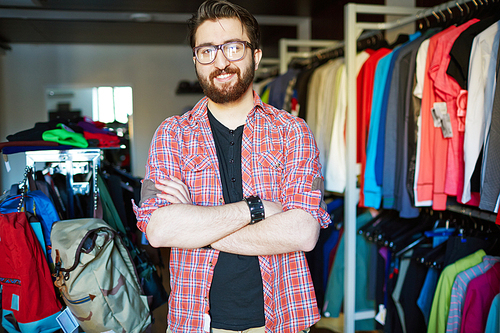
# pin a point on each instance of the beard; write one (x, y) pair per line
(227, 93)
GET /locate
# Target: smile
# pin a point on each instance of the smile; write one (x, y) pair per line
(224, 76)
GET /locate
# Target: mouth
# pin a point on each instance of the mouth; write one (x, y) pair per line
(224, 77)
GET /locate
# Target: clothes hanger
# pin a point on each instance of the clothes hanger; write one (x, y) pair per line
(391, 226)
(370, 227)
(406, 241)
(412, 245)
(426, 21)
(470, 12)
(435, 257)
(380, 41)
(402, 229)
(402, 38)
(426, 231)
(438, 19)
(451, 19)
(441, 14)
(461, 19)
(419, 20)
(460, 8)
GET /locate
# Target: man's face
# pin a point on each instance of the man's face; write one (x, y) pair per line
(224, 81)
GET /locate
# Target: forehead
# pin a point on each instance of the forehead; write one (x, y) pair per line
(220, 31)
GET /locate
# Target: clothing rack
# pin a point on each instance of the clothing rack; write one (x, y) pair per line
(353, 29)
(487, 216)
(303, 46)
(322, 48)
(71, 162)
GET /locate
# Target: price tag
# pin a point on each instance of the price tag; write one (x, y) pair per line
(67, 321)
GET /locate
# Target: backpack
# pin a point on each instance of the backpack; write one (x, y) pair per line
(97, 278)
(37, 203)
(29, 301)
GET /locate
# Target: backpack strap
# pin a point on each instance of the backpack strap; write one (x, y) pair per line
(86, 246)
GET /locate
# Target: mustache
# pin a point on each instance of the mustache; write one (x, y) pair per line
(228, 70)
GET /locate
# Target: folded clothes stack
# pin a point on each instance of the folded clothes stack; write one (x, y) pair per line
(61, 134)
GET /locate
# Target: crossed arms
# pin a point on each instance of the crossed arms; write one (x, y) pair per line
(226, 228)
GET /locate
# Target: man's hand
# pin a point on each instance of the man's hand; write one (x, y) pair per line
(174, 190)
(271, 208)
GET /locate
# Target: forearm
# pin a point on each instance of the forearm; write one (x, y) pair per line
(290, 231)
(191, 226)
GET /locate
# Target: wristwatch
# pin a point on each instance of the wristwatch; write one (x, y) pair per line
(256, 208)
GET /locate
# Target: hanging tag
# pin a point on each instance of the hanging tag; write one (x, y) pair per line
(441, 108)
(438, 111)
(435, 117)
(380, 317)
(7, 164)
(446, 126)
(67, 321)
(442, 113)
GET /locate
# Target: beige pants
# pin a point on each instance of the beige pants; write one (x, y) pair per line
(250, 330)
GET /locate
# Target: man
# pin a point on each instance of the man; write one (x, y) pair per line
(234, 188)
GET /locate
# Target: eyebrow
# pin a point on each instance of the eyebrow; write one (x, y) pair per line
(227, 41)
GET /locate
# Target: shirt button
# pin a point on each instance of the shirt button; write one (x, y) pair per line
(221, 200)
(231, 132)
(233, 179)
(210, 264)
(231, 143)
(231, 161)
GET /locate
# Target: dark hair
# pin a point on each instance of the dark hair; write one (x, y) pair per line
(217, 9)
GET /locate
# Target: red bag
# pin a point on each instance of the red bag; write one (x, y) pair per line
(29, 301)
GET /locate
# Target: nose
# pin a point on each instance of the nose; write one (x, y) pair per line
(221, 61)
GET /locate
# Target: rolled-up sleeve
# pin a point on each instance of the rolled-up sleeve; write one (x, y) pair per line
(303, 182)
(148, 204)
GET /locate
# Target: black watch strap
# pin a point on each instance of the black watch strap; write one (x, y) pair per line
(256, 208)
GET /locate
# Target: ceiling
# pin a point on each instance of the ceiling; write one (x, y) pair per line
(158, 21)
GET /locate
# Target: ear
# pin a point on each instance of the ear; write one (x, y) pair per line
(257, 55)
(194, 60)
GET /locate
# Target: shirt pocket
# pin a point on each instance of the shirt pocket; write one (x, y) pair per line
(199, 176)
(270, 166)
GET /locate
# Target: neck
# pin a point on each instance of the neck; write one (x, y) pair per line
(234, 114)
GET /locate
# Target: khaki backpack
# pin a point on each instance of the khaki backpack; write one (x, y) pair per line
(97, 278)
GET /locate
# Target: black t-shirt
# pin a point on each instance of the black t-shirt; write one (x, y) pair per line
(236, 294)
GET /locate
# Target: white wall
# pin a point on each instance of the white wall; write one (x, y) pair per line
(152, 71)
(79, 98)
(392, 35)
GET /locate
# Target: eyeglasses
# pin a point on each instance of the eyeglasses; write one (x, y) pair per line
(233, 51)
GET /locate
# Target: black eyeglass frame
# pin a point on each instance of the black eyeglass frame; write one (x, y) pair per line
(220, 47)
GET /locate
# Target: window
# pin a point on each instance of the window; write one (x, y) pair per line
(111, 104)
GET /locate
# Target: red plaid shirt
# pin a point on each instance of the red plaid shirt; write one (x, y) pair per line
(279, 161)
